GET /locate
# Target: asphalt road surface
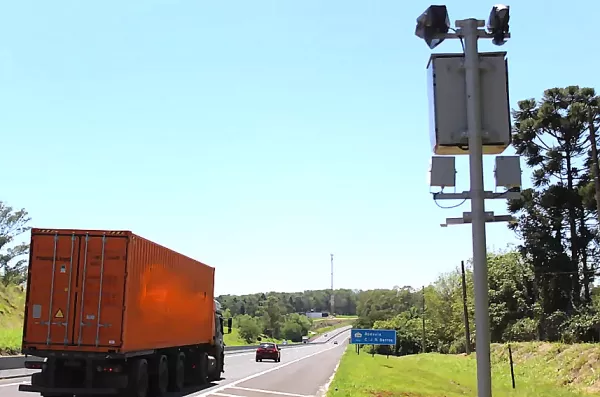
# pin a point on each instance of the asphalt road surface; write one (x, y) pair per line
(302, 372)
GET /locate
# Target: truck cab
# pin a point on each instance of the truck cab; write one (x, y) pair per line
(217, 359)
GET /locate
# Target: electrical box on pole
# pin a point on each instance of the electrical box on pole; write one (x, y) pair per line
(448, 98)
(508, 171)
(442, 172)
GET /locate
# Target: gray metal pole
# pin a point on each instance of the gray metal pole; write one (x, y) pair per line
(332, 297)
(465, 309)
(423, 341)
(480, 272)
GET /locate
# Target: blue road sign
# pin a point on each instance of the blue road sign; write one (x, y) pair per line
(373, 337)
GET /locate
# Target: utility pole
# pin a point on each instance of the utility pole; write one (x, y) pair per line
(480, 271)
(433, 26)
(332, 298)
(465, 310)
(424, 346)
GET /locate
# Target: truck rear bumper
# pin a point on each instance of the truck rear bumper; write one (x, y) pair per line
(49, 391)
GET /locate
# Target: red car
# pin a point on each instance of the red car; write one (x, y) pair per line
(269, 351)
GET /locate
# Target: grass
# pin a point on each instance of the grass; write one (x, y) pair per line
(325, 325)
(542, 369)
(12, 306)
(574, 367)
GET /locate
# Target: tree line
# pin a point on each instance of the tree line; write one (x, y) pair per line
(281, 315)
(515, 312)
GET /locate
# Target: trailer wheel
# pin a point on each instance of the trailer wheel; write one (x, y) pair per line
(138, 379)
(160, 381)
(203, 370)
(177, 373)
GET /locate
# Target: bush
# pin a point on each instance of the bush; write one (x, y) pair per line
(522, 330)
(295, 327)
(552, 326)
(249, 328)
(292, 331)
(581, 328)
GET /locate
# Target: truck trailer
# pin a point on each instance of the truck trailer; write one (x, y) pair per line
(112, 313)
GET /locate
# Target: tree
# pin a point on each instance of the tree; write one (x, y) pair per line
(295, 327)
(554, 220)
(248, 328)
(13, 264)
(292, 331)
(272, 316)
(511, 296)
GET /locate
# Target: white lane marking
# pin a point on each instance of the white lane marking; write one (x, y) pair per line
(279, 393)
(225, 395)
(323, 390)
(13, 384)
(237, 382)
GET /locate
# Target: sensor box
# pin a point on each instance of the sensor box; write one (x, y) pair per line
(448, 103)
(508, 171)
(442, 172)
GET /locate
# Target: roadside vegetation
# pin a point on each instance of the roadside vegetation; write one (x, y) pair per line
(323, 326)
(543, 294)
(541, 369)
(13, 270)
(234, 339)
(270, 324)
(282, 315)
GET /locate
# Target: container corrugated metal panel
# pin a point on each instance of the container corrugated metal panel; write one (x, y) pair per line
(101, 291)
(169, 298)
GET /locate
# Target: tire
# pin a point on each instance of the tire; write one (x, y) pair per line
(203, 369)
(159, 382)
(257, 360)
(177, 373)
(138, 379)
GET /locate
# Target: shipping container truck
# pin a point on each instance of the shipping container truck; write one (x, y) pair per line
(115, 314)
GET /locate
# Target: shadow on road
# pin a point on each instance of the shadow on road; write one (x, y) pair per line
(192, 389)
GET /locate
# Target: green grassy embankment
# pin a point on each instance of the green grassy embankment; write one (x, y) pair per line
(541, 369)
(12, 306)
(234, 339)
(324, 325)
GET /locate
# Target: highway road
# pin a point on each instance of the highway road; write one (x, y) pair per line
(302, 372)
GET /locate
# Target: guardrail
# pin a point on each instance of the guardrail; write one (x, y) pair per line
(18, 362)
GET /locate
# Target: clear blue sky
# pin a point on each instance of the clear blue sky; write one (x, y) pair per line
(258, 137)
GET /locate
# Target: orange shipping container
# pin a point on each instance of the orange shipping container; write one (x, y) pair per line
(113, 291)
